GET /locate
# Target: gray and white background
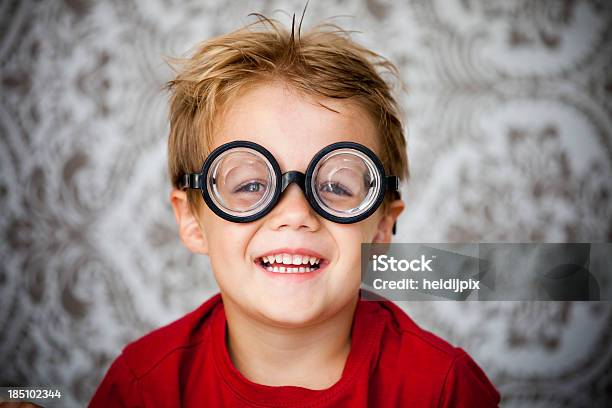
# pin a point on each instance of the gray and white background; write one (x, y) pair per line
(509, 119)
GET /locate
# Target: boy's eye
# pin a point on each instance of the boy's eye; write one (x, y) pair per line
(334, 188)
(250, 187)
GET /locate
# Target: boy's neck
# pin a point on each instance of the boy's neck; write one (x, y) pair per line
(312, 357)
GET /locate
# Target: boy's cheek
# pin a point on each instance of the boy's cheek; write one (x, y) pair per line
(229, 275)
(351, 236)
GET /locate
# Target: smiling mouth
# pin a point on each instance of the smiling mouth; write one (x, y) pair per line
(286, 263)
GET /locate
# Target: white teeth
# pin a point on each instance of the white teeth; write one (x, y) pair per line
(275, 269)
(281, 269)
(302, 269)
(287, 259)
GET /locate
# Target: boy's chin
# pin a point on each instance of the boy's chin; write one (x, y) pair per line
(291, 312)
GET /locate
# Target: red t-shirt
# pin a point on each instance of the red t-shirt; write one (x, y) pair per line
(392, 363)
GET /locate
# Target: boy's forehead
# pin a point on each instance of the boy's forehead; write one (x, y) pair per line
(293, 126)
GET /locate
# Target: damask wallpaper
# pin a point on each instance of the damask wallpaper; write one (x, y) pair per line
(509, 119)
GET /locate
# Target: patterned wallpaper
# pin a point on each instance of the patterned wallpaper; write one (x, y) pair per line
(509, 117)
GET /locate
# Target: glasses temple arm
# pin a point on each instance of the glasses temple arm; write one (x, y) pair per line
(189, 181)
(393, 186)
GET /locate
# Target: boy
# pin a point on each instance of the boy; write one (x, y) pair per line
(285, 153)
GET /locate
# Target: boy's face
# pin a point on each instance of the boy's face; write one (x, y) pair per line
(293, 128)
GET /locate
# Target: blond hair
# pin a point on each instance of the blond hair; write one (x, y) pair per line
(323, 62)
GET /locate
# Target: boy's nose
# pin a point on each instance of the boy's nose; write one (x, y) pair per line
(293, 211)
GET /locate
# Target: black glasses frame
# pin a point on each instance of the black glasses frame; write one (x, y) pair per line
(283, 180)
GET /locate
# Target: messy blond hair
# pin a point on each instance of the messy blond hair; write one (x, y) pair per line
(322, 61)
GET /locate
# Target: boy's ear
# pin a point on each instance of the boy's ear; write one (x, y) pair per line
(189, 228)
(386, 224)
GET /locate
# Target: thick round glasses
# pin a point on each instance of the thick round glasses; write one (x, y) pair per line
(241, 181)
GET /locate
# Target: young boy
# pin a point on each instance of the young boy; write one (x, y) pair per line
(285, 152)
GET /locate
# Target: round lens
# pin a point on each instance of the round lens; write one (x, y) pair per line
(241, 181)
(346, 182)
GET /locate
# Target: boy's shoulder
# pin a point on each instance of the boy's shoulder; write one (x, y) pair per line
(428, 363)
(190, 330)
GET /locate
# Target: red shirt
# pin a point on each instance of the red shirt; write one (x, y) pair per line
(392, 363)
